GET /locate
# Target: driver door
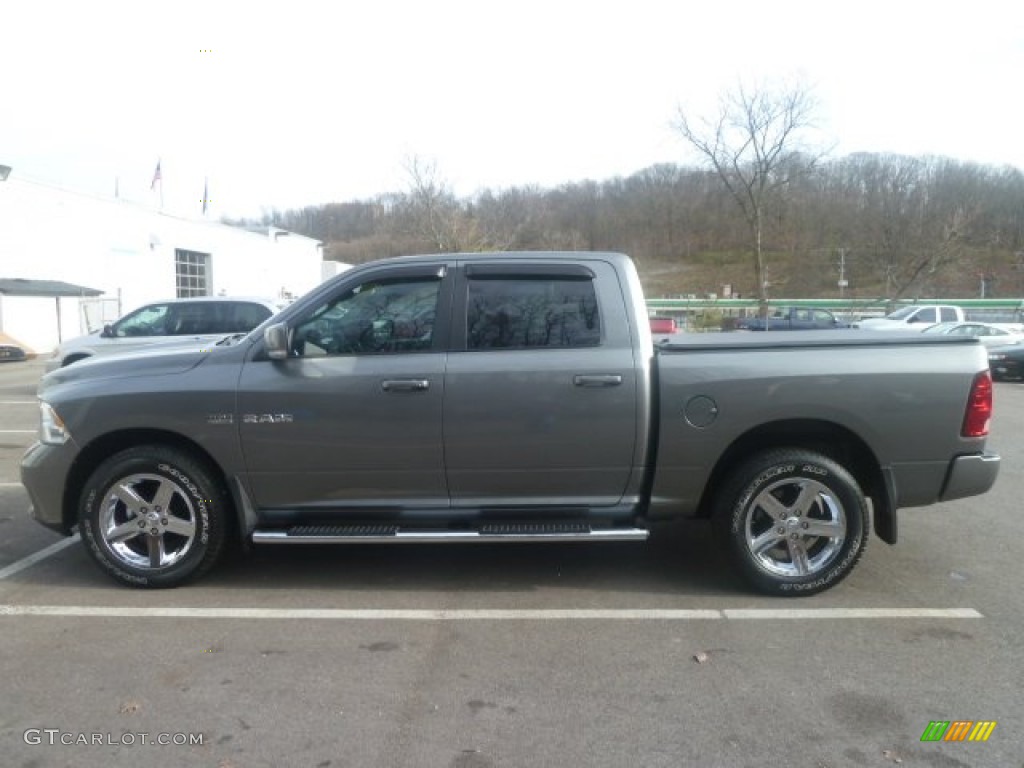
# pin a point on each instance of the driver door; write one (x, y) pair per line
(353, 417)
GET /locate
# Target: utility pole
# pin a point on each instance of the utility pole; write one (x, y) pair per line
(842, 272)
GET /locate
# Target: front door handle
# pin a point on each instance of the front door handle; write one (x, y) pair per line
(405, 385)
(598, 380)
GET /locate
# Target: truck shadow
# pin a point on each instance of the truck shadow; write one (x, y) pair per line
(680, 558)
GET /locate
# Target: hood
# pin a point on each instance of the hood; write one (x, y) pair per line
(150, 362)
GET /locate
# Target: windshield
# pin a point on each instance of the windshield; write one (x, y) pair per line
(901, 314)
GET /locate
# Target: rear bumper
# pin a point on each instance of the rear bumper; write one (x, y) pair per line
(970, 476)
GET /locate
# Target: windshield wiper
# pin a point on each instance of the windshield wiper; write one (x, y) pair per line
(230, 339)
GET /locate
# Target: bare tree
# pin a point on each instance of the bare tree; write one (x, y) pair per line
(437, 214)
(753, 146)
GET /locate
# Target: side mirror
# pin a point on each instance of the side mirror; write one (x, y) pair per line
(108, 331)
(275, 339)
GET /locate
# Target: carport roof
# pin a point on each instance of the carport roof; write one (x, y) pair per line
(18, 286)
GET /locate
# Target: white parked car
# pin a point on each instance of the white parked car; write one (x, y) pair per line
(990, 334)
(913, 317)
(200, 319)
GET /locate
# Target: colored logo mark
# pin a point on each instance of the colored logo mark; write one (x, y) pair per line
(958, 730)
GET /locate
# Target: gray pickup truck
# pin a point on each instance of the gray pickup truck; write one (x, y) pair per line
(506, 398)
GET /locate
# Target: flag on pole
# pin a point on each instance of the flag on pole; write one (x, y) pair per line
(156, 177)
(206, 197)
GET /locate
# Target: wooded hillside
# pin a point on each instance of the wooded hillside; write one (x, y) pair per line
(903, 227)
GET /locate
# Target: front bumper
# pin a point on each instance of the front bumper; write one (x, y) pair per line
(44, 473)
(970, 476)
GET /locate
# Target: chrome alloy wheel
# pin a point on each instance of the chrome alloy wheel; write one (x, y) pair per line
(147, 521)
(795, 527)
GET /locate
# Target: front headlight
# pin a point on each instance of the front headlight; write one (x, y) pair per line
(996, 357)
(51, 427)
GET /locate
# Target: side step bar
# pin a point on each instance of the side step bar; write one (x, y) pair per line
(491, 533)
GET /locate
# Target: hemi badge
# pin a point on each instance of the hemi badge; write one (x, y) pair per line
(267, 418)
(220, 418)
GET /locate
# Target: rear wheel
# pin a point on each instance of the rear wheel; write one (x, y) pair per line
(795, 522)
(153, 516)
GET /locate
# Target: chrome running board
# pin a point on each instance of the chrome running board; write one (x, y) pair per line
(488, 533)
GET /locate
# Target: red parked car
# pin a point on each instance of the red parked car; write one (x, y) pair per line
(663, 325)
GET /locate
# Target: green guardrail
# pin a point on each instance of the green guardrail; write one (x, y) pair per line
(842, 305)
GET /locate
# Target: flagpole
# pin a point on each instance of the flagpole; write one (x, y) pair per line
(158, 177)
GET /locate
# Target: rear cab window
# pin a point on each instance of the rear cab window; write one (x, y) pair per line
(541, 304)
(522, 312)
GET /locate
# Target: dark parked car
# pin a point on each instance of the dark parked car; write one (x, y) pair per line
(10, 353)
(1006, 362)
(792, 319)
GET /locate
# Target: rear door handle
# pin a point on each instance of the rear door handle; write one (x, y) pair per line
(405, 385)
(598, 380)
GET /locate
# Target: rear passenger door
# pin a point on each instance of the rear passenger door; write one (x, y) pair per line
(540, 402)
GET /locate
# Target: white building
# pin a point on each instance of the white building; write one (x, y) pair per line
(130, 255)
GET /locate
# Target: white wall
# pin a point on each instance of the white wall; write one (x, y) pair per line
(127, 251)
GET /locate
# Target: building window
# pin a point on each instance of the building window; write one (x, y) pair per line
(192, 273)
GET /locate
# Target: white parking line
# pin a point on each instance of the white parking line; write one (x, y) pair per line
(104, 611)
(5, 484)
(19, 402)
(32, 559)
(18, 431)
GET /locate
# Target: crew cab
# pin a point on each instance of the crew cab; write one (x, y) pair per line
(509, 397)
(792, 319)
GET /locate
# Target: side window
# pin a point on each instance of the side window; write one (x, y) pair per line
(148, 321)
(190, 319)
(924, 316)
(239, 317)
(378, 317)
(948, 314)
(527, 313)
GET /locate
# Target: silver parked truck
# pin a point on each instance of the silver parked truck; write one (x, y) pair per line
(506, 397)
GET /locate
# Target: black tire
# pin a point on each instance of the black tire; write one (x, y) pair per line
(769, 510)
(143, 543)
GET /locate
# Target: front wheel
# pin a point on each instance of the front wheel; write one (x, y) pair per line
(152, 516)
(795, 522)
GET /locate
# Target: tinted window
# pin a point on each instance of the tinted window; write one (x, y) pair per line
(924, 316)
(522, 313)
(378, 317)
(239, 316)
(948, 314)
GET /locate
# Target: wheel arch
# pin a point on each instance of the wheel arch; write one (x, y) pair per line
(92, 455)
(827, 438)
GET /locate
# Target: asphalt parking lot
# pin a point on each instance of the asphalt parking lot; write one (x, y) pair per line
(541, 655)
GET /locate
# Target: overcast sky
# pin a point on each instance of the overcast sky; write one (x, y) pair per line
(296, 103)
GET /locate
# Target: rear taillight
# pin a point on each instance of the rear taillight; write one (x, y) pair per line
(979, 407)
